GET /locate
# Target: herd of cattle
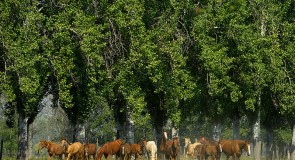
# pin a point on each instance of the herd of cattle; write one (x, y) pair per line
(168, 149)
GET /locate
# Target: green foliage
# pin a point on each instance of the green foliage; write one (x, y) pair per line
(101, 123)
(24, 74)
(9, 137)
(283, 135)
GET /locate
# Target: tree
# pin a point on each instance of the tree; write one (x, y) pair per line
(216, 58)
(73, 47)
(169, 84)
(38, 59)
(152, 78)
(24, 71)
(256, 35)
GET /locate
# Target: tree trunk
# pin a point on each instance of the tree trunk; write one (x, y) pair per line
(119, 134)
(174, 132)
(80, 133)
(256, 134)
(75, 129)
(129, 130)
(159, 132)
(30, 141)
(277, 151)
(236, 126)
(269, 143)
(217, 132)
(22, 136)
(292, 148)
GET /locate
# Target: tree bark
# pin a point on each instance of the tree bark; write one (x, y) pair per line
(292, 148)
(159, 132)
(130, 131)
(22, 136)
(269, 143)
(80, 133)
(129, 127)
(217, 132)
(174, 132)
(30, 141)
(276, 152)
(75, 129)
(256, 134)
(119, 134)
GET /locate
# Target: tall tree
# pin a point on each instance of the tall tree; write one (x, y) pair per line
(73, 47)
(24, 70)
(150, 76)
(222, 94)
(169, 81)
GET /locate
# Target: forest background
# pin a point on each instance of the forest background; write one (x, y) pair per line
(133, 68)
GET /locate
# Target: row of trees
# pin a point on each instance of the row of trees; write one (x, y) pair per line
(149, 60)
